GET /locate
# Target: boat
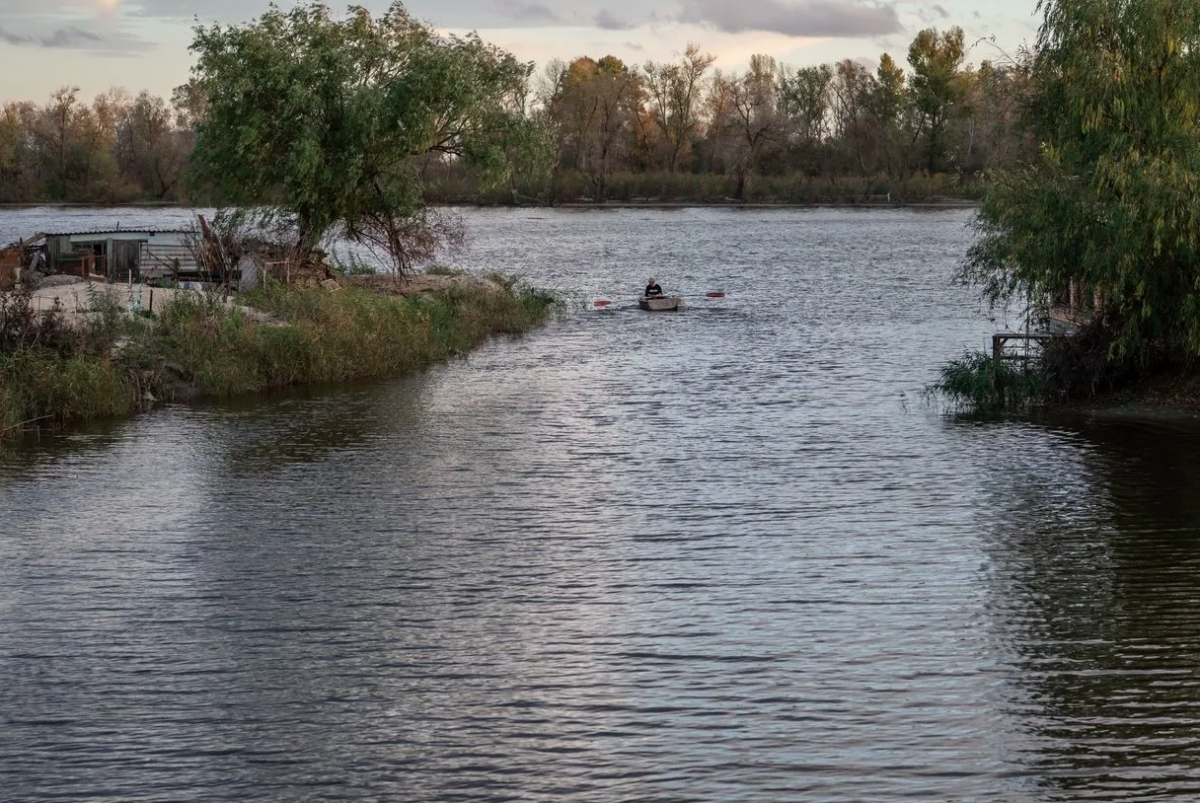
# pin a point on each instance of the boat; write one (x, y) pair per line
(660, 303)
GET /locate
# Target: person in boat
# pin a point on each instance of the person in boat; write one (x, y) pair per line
(653, 290)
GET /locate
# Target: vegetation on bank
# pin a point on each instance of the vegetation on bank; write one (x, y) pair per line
(311, 127)
(1104, 218)
(573, 187)
(113, 363)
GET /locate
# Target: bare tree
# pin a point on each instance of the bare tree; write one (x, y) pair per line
(675, 90)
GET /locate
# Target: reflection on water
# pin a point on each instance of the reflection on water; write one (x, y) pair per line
(718, 555)
(1096, 580)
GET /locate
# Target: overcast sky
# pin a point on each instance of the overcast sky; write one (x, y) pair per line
(142, 44)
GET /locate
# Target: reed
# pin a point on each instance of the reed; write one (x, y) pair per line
(979, 383)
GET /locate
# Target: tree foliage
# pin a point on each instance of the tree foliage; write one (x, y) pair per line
(1109, 204)
(327, 120)
(937, 84)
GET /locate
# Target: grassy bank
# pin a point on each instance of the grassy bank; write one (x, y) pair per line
(113, 363)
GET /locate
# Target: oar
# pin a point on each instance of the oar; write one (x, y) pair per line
(712, 294)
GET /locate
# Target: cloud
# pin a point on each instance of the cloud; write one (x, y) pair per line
(521, 11)
(72, 37)
(940, 9)
(609, 21)
(849, 18)
(69, 37)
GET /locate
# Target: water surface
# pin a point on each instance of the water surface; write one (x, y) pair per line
(724, 554)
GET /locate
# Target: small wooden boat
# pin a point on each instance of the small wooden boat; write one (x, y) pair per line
(660, 304)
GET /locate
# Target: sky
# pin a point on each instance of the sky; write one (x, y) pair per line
(143, 44)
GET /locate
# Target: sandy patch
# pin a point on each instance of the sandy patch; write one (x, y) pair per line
(78, 300)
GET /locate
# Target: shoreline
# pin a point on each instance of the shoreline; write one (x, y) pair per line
(112, 362)
(938, 203)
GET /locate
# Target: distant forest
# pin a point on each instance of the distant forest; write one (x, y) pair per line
(669, 131)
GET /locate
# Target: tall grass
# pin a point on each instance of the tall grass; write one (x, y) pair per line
(198, 345)
(978, 382)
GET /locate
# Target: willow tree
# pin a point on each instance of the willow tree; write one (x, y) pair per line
(1109, 204)
(328, 121)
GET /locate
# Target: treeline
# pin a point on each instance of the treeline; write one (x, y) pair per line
(118, 148)
(775, 130)
(677, 130)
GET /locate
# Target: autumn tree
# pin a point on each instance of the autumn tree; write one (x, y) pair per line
(595, 107)
(885, 103)
(17, 153)
(745, 112)
(992, 133)
(850, 88)
(151, 151)
(73, 144)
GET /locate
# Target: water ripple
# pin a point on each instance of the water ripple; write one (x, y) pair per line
(721, 555)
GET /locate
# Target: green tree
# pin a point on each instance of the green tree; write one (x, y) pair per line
(1109, 203)
(885, 101)
(936, 84)
(805, 98)
(326, 121)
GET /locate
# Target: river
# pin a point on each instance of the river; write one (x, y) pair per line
(727, 554)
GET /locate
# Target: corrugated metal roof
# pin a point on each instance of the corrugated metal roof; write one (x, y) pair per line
(112, 231)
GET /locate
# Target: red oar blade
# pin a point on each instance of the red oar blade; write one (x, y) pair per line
(715, 294)
(601, 303)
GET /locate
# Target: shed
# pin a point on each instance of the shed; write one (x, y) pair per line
(122, 255)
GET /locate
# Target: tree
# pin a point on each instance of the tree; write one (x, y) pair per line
(744, 117)
(151, 152)
(17, 154)
(595, 105)
(805, 98)
(1108, 204)
(325, 120)
(676, 90)
(885, 102)
(850, 89)
(936, 84)
(74, 143)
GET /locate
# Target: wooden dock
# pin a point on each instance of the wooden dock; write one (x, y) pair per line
(1001, 339)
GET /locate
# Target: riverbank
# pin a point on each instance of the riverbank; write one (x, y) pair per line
(1169, 396)
(107, 361)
